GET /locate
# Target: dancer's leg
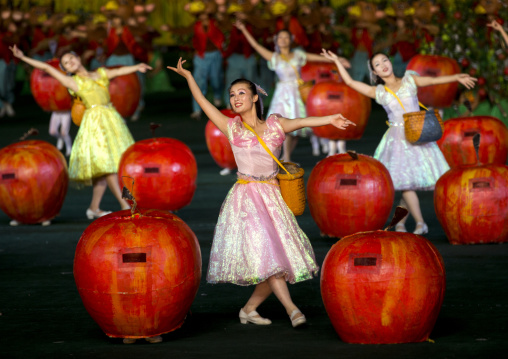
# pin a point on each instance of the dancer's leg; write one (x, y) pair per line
(54, 124)
(324, 144)
(216, 76)
(261, 292)
(332, 147)
(99, 187)
(281, 291)
(314, 141)
(65, 126)
(413, 204)
(112, 180)
(341, 145)
(201, 78)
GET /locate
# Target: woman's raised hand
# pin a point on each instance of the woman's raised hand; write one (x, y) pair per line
(144, 67)
(495, 25)
(329, 55)
(240, 25)
(180, 70)
(341, 122)
(466, 80)
(333, 57)
(16, 52)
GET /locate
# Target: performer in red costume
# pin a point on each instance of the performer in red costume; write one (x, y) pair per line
(284, 11)
(402, 43)
(122, 47)
(208, 42)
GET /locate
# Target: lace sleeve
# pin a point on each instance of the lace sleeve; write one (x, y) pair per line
(272, 64)
(381, 97)
(300, 57)
(277, 134)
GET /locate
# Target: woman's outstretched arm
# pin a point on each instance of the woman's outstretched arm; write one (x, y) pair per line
(338, 121)
(220, 120)
(125, 70)
(464, 79)
(498, 27)
(263, 51)
(65, 80)
(364, 89)
(319, 58)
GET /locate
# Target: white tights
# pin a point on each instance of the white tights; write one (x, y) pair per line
(61, 120)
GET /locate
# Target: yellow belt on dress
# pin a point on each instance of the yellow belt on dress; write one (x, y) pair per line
(242, 181)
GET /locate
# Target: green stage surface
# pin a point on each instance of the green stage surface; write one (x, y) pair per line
(42, 316)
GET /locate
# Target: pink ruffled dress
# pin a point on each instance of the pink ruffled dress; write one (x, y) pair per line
(257, 236)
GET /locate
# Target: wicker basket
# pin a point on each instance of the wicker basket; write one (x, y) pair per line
(77, 111)
(304, 89)
(292, 189)
(423, 126)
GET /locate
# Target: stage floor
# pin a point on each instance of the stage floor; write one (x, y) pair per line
(42, 316)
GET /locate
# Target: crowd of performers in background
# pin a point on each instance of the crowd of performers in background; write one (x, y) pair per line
(230, 40)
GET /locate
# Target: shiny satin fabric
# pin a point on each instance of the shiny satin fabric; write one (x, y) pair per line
(286, 98)
(411, 166)
(257, 236)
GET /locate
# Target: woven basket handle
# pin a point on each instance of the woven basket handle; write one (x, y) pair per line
(267, 149)
(398, 99)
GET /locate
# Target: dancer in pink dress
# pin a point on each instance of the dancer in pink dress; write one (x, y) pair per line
(257, 240)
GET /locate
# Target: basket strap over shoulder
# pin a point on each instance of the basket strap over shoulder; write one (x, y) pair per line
(398, 99)
(266, 148)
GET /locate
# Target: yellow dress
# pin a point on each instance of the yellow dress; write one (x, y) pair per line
(102, 137)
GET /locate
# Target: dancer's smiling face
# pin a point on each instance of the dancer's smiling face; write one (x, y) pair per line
(241, 97)
(381, 66)
(283, 39)
(70, 62)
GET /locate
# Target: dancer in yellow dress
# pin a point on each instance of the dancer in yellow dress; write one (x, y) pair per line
(103, 136)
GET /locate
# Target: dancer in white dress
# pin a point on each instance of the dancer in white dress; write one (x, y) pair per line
(286, 98)
(412, 166)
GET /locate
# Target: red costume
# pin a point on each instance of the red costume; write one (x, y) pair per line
(38, 36)
(201, 40)
(123, 44)
(364, 39)
(5, 42)
(406, 49)
(238, 44)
